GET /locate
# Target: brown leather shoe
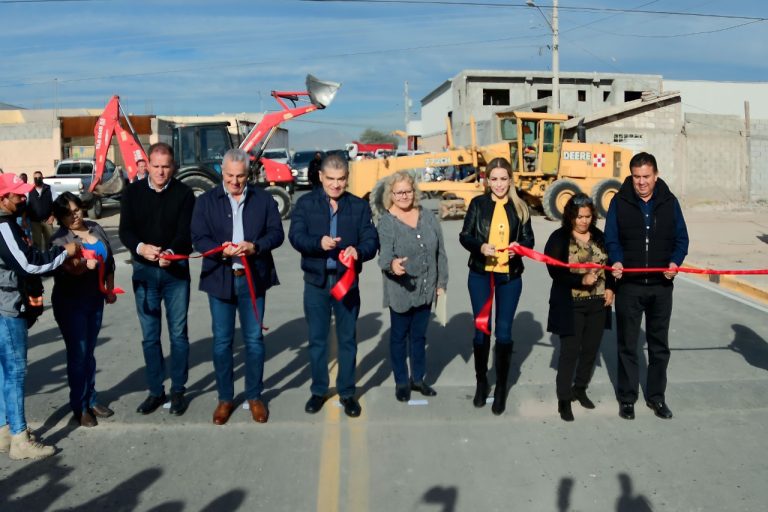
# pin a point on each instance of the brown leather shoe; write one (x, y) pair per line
(223, 412)
(86, 419)
(259, 411)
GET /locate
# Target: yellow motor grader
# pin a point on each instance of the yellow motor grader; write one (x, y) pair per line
(547, 170)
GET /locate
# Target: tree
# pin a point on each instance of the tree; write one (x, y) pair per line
(371, 136)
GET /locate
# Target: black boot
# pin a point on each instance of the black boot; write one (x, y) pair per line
(580, 394)
(564, 408)
(481, 370)
(503, 357)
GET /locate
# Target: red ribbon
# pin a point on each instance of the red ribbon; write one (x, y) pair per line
(90, 254)
(483, 318)
(344, 284)
(543, 258)
(243, 259)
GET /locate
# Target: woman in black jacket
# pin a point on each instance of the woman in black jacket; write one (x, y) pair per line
(495, 220)
(579, 301)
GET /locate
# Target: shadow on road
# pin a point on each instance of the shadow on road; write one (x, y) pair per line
(752, 347)
(445, 497)
(627, 501)
(49, 474)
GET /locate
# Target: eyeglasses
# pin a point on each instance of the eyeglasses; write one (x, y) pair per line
(582, 201)
(402, 193)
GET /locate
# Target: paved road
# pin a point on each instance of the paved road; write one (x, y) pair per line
(444, 456)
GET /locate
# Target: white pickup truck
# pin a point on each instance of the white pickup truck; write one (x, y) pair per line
(75, 175)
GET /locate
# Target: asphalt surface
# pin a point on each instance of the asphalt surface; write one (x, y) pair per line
(444, 455)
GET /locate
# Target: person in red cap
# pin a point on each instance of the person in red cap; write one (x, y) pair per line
(20, 266)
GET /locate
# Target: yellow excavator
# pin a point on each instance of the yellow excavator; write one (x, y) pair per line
(547, 169)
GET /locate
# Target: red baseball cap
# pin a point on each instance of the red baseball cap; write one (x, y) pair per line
(12, 184)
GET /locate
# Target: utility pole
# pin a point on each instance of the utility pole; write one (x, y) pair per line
(407, 106)
(555, 52)
(555, 60)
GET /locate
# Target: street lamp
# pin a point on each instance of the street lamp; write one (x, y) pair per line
(555, 53)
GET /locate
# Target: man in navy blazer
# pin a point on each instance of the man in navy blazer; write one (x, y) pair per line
(325, 223)
(247, 220)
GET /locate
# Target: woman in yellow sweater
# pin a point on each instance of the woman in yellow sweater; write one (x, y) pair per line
(495, 220)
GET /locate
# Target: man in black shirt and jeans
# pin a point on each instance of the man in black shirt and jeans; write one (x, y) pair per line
(155, 217)
(40, 213)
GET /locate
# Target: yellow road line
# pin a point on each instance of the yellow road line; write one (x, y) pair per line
(329, 479)
(359, 468)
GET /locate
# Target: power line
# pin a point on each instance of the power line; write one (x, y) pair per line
(49, 1)
(562, 8)
(276, 61)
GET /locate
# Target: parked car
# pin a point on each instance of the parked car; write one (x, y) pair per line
(279, 155)
(76, 174)
(300, 166)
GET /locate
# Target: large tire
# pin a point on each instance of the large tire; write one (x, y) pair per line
(96, 209)
(555, 197)
(198, 184)
(603, 193)
(283, 200)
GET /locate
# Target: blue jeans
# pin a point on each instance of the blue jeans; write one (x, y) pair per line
(507, 297)
(79, 320)
(318, 304)
(13, 369)
(223, 326)
(156, 286)
(411, 325)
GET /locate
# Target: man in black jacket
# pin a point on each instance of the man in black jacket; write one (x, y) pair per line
(155, 215)
(644, 228)
(40, 212)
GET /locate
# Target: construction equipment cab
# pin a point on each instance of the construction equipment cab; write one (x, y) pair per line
(549, 170)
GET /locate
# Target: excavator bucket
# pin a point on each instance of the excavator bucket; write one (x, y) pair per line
(321, 92)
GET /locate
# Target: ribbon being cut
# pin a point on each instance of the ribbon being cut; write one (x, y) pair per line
(483, 317)
(90, 254)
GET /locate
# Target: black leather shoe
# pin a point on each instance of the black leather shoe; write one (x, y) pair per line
(423, 388)
(627, 410)
(564, 408)
(101, 411)
(178, 403)
(314, 404)
(151, 404)
(660, 409)
(580, 395)
(402, 393)
(351, 407)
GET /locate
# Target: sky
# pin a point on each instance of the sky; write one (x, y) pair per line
(193, 57)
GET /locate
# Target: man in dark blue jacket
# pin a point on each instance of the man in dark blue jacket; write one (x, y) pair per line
(325, 224)
(644, 228)
(246, 220)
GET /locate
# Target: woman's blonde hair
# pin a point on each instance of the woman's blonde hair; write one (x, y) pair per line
(520, 207)
(396, 178)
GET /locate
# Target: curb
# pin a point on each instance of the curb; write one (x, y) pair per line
(732, 283)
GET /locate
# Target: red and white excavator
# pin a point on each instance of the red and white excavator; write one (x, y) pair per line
(203, 172)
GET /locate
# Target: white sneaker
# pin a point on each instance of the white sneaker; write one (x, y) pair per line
(5, 438)
(23, 446)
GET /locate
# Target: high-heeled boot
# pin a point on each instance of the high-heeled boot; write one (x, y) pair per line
(481, 353)
(503, 358)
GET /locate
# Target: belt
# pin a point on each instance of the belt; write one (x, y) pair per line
(238, 272)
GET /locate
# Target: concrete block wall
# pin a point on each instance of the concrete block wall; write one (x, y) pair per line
(661, 131)
(759, 160)
(715, 155)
